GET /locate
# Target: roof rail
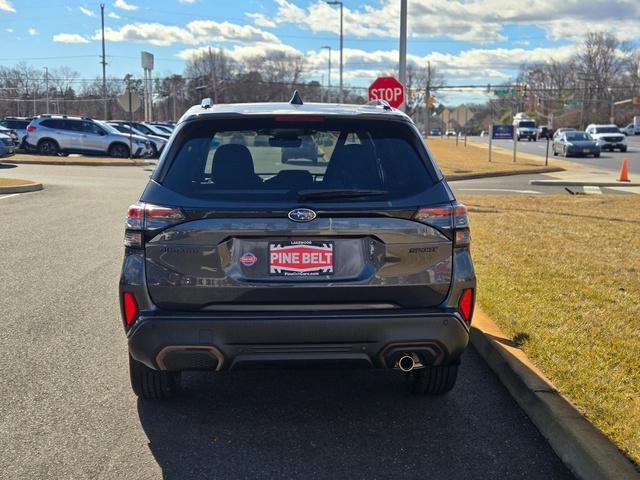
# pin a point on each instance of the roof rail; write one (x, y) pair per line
(206, 103)
(296, 99)
(379, 103)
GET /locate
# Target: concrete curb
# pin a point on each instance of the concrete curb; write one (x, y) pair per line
(580, 445)
(533, 171)
(585, 183)
(115, 163)
(27, 187)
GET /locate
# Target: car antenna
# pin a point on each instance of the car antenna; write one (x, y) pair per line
(296, 99)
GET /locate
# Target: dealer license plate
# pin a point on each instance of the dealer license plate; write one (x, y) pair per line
(301, 258)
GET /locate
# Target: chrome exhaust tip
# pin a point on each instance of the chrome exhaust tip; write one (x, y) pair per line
(406, 363)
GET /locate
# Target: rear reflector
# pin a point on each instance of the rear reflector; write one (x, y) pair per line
(465, 305)
(130, 307)
(31, 128)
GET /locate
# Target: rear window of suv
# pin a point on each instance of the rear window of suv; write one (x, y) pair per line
(277, 159)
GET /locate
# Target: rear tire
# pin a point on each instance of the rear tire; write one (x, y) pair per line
(153, 384)
(433, 380)
(623, 149)
(48, 147)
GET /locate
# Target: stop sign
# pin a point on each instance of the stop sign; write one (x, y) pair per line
(389, 89)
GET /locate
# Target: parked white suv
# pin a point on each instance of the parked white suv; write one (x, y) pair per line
(608, 137)
(61, 134)
(630, 129)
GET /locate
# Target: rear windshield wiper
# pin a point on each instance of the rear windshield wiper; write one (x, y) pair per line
(337, 193)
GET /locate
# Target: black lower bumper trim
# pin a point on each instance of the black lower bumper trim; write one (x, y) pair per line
(196, 341)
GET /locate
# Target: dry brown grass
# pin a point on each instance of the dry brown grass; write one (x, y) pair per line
(473, 159)
(70, 160)
(561, 275)
(12, 182)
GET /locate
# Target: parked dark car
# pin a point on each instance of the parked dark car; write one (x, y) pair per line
(236, 260)
(545, 132)
(575, 143)
(435, 132)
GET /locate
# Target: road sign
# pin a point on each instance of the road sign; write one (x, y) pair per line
(389, 89)
(572, 104)
(502, 132)
(124, 100)
(501, 92)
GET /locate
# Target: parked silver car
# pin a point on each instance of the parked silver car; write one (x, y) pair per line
(56, 134)
(157, 143)
(19, 124)
(7, 145)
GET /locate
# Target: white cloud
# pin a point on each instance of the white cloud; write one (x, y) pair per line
(69, 38)
(241, 53)
(9, 30)
(87, 12)
(479, 21)
(475, 63)
(186, 1)
(33, 32)
(194, 33)
(210, 30)
(6, 6)
(113, 15)
(152, 33)
(261, 20)
(122, 4)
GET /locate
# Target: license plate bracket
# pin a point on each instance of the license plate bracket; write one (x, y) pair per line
(301, 258)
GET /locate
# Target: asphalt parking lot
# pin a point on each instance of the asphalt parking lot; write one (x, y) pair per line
(67, 411)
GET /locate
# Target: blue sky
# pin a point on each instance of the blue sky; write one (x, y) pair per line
(471, 42)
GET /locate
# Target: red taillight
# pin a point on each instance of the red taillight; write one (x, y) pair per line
(465, 305)
(146, 217)
(31, 128)
(130, 307)
(299, 118)
(451, 219)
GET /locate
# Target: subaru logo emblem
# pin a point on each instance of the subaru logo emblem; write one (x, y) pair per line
(302, 215)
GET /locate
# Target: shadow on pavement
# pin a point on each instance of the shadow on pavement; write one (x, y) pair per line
(7, 165)
(335, 423)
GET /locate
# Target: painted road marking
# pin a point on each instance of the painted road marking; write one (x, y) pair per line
(8, 196)
(498, 190)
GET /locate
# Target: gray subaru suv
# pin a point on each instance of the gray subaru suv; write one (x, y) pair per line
(358, 257)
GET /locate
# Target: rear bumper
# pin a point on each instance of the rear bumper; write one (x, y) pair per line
(189, 341)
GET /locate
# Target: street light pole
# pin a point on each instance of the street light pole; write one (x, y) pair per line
(402, 67)
(46, 85)
(104, 67)
(336, 2)
(329, 72)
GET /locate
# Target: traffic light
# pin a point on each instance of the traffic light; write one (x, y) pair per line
(523, 90)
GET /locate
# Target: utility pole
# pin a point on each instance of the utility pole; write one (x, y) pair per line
(402, 68)
(427, 106)
(46, 85)
(104, 67)
(341, 45)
